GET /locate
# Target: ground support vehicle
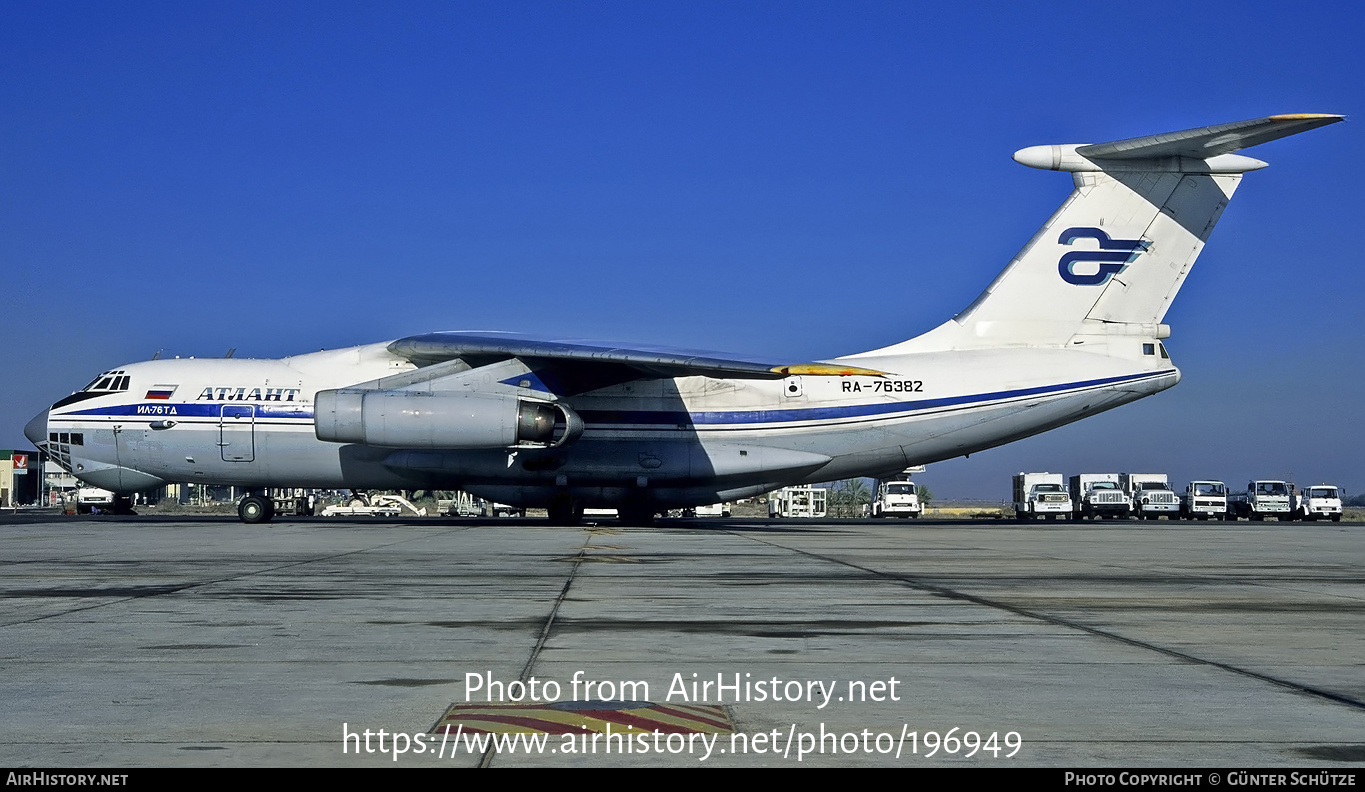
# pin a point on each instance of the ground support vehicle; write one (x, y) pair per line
(897, 498)
(294, 503)
(1320, 502)
(1204, 500)
(1262, 499)
(1095, 495)
(378, 510)
(1151, 494)
(361, 505)
(803, 501)
(502, 510)
(462, 505)
(1041, 496)
(93, 499)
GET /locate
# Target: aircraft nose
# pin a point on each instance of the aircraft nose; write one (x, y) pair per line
(36, 430)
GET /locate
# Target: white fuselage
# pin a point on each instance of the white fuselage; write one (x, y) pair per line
(683, 441)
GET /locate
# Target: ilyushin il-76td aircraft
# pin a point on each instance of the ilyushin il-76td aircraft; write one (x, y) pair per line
(1071, 327)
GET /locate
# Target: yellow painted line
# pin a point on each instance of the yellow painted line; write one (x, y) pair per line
(578, 717)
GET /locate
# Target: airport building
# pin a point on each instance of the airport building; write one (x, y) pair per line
(20, 480)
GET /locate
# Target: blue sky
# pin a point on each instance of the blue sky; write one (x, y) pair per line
(793, 180)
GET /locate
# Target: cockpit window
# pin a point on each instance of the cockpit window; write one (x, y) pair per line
(109, 381)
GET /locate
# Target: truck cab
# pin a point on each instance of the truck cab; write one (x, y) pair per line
(1095, 495)
(1151, 495)
(1262, 499)
(1041, 496)
(1320, 502)
(93, 500)
(1204, 500)
(897, 498)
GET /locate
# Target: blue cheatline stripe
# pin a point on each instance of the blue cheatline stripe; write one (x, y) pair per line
(210, 410)
(678, 417)
(659, 417)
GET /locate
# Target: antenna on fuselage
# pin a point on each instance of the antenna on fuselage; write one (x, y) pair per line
(157, 356)
(230, 353)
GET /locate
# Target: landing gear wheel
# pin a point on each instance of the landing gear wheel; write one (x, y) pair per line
(565, 512)
(636, 516)
(255, 509)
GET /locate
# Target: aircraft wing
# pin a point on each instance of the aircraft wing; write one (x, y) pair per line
(589, 363)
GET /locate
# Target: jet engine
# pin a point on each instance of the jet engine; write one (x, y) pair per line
(441, 420)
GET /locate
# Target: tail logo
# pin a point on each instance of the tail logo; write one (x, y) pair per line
(1113, 256)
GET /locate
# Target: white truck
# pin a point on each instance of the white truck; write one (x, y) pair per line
(897, 498)
(1095, 495)
(1151, 494)
(797, 502)
(1265, 498)
(90, 499)
(1204, 500)
(1320, 502)
(502, 510)
(1041, 496)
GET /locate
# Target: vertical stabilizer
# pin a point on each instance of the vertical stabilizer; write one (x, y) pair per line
(1111, 259)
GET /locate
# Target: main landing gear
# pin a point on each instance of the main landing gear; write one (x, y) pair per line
(256, 508)
(636, 516)
(565, 511)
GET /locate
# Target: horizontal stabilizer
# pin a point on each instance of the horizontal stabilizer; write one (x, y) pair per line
(1209, 141)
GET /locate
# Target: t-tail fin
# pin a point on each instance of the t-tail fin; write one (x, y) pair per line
(1111, 259)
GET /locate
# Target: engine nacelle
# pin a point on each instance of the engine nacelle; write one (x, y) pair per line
(446, 420)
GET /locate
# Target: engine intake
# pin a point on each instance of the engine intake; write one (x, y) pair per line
(418, 419)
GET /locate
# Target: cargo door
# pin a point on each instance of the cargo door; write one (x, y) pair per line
(237, 432)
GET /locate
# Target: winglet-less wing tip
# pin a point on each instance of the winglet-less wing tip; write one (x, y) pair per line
(1328, 118)
(827, 370)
